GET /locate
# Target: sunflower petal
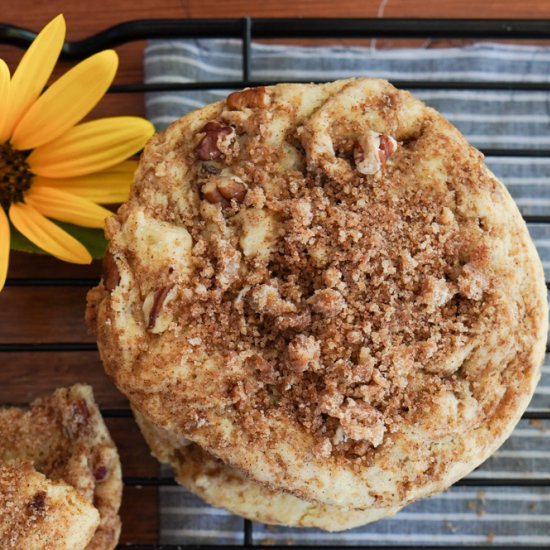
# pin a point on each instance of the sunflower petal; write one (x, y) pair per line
(67, 101)
(65, 207)
(33, 72)
(48, 236)
(4, 91)
(91, 147)
(4, 247)
(106, 187)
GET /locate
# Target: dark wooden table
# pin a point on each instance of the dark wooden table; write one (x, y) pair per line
(48, 314)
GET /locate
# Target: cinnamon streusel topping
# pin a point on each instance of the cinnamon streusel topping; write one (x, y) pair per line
(321, 270)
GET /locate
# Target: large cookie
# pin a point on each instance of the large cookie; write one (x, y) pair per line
(326, 288)
(64, 438)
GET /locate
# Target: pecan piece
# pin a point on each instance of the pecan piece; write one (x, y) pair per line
(100, 473)
(223, 189)
(373, 151)
(111, 275)
(252, 97)
(218, 141)
(210, 192)
(232, 188)
(158, 301)
(386, 148)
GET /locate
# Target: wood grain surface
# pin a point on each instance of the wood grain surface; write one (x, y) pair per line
(54, 314)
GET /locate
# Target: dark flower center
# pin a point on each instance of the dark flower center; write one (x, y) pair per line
(15, 175)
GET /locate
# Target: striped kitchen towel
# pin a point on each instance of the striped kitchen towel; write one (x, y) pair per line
(484, 515)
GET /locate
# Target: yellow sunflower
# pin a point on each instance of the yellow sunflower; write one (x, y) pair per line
(50, 165)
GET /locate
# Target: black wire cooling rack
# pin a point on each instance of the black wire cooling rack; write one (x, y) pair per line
(248, 29)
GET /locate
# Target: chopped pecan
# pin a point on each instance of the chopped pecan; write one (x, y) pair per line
(210, 192)
(232, 188)
(251, 98)
(223, 189)
(111, 275)
(158, 301)
(219, 141)
(100, 473)
(328, 302)
(373, 151)
(386, 148)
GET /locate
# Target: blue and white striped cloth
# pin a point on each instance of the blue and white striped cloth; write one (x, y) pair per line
(490, 119)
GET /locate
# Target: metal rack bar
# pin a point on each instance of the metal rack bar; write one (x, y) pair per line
(61, 346)
(248, 534)
(407, 84)
(66, 346)
(464, 482)
(307, 28)
(46, 281)
(247, 45)
(305, 547)
(127, 413)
